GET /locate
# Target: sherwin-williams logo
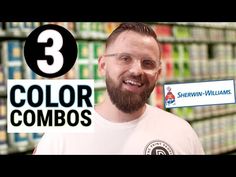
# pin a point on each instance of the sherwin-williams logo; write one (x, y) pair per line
(199, 93)
(170, 97)
(158, 147)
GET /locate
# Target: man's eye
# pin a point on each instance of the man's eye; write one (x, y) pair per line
(125, 58)
(149, 64)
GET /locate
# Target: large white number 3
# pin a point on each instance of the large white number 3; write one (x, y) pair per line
(53, 51)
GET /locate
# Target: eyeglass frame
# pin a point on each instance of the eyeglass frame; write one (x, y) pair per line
(158, 64)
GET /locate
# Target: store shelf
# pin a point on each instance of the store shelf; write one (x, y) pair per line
(19, 35)
(187, 41)
(100, 85)
(90, 37)
(28, 149)
(23, 149)
(3, 150)
(3, 91)
(216, 115)
(218, 25)
(3, 121)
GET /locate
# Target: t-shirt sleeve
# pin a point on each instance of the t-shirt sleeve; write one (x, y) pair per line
(197, 148)
(192, 143)
(50, 144)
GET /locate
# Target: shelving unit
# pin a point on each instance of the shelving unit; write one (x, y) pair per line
(90, 44)
(197, 52)
(27, 149)
(191, 52)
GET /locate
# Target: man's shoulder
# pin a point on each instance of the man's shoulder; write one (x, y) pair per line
(53, 143)
(163, 114)
(165, 118)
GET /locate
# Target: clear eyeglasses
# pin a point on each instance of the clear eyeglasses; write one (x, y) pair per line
(127, 59)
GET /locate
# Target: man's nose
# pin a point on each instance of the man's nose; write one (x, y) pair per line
(136, 68)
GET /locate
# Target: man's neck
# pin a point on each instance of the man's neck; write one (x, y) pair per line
(110, 112)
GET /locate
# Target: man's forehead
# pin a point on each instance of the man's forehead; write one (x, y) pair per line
(131, 41)
(133, 38)
(131, 35)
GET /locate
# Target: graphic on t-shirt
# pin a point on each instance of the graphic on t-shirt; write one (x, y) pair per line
(158, 147)
(169, 98)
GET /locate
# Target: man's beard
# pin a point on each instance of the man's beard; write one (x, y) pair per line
(127, 101)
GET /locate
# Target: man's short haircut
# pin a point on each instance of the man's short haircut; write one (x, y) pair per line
(138, 27)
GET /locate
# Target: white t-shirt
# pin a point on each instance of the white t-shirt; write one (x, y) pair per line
(155, 132)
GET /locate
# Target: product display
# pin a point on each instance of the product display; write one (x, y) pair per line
(202, 53)
(190, 52)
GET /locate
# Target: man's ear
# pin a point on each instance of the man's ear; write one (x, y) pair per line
(101, 65)
(159, 73)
